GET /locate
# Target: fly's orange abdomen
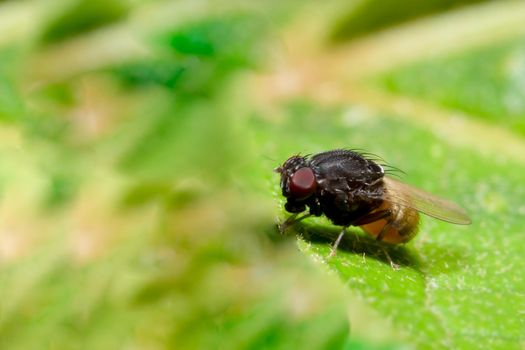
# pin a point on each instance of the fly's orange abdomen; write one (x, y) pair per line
(402, 228)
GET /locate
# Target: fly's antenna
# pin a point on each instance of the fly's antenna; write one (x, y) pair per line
(269, 158)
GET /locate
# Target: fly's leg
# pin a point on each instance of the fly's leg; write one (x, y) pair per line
(383, 231)
(379, 237)
(392, 263)
(337, 241)
(366, 219)
(291, 221)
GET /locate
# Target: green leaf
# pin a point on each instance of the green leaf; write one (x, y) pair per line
(456, 286)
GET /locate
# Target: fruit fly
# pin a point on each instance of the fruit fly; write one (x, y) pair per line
(350, 188)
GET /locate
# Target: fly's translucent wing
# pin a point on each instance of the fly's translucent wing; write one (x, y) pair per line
(408, 196)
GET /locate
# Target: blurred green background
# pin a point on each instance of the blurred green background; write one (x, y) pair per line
(138, 200)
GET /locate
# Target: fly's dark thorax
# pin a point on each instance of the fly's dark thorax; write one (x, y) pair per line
(349, 186)
(343, 205)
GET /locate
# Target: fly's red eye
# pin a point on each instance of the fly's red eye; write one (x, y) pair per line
(303, 183)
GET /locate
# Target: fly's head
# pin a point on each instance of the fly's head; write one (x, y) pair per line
(298, 183)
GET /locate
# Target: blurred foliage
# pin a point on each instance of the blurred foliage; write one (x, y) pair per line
(369, 15)
(11, 105)
(485, 83)
(196, 58)
(81, 16)
(139, 200)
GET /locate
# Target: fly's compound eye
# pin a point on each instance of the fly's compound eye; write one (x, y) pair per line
(302, 183)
